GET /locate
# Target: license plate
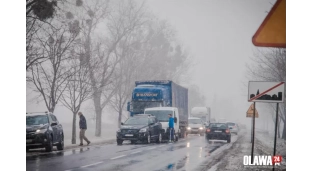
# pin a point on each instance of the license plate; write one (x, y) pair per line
(129, 135)
(218, 131)
(28, 141)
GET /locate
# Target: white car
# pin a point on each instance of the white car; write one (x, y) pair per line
(233, 127)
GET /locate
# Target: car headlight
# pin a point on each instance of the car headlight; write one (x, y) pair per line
(188, 128)
(41, 131)
(201, 128)
(143, 130)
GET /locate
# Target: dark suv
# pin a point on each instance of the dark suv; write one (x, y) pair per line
(141, 127)
(43, 131)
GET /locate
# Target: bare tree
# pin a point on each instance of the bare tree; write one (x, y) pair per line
(118, 19)
(49, 78)
(77, 91)
(270, 65)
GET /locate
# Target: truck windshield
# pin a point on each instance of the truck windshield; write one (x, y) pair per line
(161, 115)
(139, 106)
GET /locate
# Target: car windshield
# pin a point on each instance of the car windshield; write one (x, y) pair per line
(37, 120)
(195, 121)
(161, 115)
(136, 121)
(218, 125)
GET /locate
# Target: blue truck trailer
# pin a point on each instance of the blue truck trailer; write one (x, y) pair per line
(164, 93)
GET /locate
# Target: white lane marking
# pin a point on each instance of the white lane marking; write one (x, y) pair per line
(117, 157)
(136, 152)
(151, 148)
(67, 170)
(91, 164)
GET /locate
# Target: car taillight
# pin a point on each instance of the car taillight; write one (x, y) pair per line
(208, 130)
(227, 131)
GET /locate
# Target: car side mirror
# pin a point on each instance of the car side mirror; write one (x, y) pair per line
(151, 124)
(53, 123)
(121, 123)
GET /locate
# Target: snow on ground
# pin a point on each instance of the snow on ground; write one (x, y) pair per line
(232, 158)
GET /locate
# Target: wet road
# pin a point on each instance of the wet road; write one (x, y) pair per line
(186, 154)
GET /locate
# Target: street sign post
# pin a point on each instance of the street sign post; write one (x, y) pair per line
(265, 92)
(272, 31)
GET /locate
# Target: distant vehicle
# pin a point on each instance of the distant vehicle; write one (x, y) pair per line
(160, 93)
(233, 127)
(43, 130)
(141, 127)
(202, 113)
(218, 131)
(161, 113)
(196, 126)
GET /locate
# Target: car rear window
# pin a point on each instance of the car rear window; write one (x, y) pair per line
(217, 125)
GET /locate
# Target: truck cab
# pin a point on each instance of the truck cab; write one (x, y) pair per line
(161, 113)
(147, 96)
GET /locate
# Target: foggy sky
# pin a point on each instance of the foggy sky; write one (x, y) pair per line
(218, 34)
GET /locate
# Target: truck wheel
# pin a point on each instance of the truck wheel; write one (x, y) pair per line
(176, 138)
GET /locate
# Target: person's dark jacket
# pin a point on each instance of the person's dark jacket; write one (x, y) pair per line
(82, 122)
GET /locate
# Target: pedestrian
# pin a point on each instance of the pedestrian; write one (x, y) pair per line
(83, 128)
(171, 127)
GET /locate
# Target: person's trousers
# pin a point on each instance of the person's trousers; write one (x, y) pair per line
(82, 136)
(171, 134)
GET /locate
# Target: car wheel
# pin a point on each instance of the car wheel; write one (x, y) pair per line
(60, 145)
(229, 140)
(49, 147)
(133, 142)
(159, 140)
(119, 142)
(148, 140)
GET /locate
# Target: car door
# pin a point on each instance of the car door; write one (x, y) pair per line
(55, 129)
(151, 127)
(157, 127)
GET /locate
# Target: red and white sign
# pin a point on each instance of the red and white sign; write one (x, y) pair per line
(267, 92)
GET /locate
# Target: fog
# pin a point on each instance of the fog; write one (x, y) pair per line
(217, 35)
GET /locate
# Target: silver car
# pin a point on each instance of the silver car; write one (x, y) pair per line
(233, 127)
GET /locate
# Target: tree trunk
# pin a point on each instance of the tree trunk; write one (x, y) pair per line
(74, 129)
(119, 118)
(284, 131)
(98, 114)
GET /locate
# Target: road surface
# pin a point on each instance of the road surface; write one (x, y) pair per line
(187, 154)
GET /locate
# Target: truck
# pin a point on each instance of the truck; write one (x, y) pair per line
(203, 113)
(161, 98)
